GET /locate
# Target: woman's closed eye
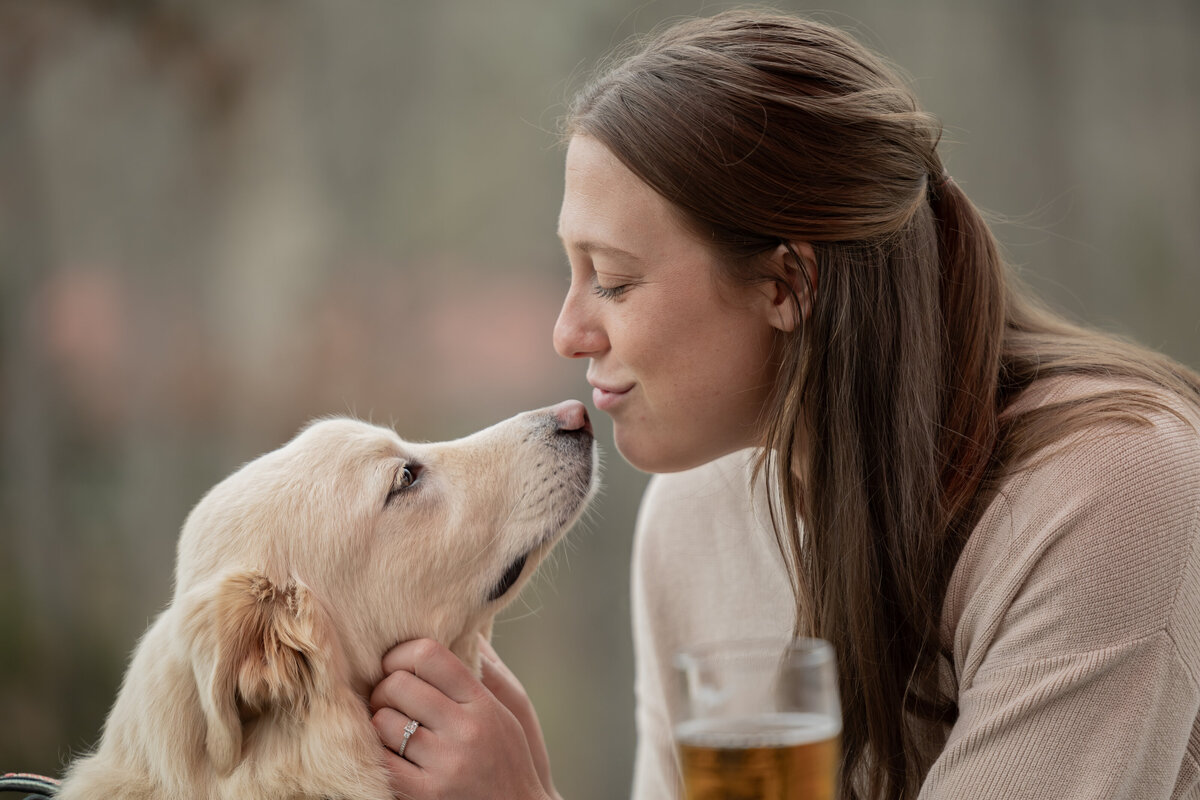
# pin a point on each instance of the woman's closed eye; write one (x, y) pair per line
(609, 292)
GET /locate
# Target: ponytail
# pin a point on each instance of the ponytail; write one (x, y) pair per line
(973, 295)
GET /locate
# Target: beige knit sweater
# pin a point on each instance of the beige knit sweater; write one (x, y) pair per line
(1073, 616)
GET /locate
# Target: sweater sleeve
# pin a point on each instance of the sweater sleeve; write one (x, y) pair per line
(1075, 618)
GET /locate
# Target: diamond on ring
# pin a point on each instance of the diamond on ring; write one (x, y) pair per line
(409, 730)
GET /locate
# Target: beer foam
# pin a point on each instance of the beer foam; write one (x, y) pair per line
(784, 729)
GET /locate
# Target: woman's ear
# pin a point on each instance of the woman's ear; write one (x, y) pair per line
(791, 292)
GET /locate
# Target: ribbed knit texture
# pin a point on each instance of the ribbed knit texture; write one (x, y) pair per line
(1073, 615)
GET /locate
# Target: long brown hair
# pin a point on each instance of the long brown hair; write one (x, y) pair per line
(886, 434)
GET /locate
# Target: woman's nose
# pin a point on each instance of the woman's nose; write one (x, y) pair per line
(576, 334)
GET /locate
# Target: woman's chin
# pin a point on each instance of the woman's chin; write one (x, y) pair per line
(658, 452)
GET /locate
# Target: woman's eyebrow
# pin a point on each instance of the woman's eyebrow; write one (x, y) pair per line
(592, 248)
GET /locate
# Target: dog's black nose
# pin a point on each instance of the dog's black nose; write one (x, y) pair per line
(572, 416)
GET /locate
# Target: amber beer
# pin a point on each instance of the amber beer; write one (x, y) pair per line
(775, 756)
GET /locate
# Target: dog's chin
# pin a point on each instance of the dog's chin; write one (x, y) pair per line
(507, 587)
(516, 574)
(527, 563)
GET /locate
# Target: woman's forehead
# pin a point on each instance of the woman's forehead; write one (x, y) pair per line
(607, 209)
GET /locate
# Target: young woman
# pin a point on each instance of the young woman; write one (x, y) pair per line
(990, 513)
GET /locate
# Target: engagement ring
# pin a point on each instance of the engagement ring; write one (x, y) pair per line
(409, 730)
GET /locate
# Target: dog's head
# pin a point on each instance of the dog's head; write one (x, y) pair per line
(296, 573)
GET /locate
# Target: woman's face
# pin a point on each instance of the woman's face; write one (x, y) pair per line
(679, 359)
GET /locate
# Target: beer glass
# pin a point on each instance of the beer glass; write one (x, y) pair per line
(759, 720)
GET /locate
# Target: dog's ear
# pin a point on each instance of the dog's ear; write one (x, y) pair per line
(255, 650)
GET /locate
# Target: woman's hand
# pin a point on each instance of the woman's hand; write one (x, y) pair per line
(475, 739)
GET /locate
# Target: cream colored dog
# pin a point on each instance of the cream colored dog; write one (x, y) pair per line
(294, 576)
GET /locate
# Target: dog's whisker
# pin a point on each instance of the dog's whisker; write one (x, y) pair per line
(530, 611)
(487, 546)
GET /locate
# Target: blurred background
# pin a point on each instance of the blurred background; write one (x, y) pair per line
(220, 219)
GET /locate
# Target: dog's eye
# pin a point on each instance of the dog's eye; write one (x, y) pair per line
(406, 476)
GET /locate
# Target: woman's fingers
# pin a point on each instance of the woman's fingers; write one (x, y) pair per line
(393, 729)
(420, 700)
(433, 662)
(502, 683)
(406, 779)
(469, 742)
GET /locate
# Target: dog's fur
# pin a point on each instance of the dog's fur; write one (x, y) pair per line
(294, 576)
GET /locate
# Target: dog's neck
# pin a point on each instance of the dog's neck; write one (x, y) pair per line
(466, 646)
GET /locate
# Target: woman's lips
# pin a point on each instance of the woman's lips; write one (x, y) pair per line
(605, 397)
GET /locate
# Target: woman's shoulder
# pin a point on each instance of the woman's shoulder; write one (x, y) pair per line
(1092, 543)
(1142, 398)
(1135, 451)
(1084, 431)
